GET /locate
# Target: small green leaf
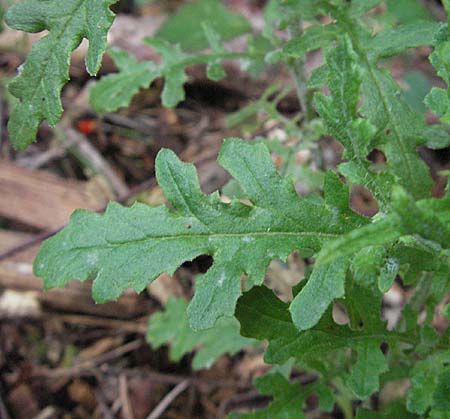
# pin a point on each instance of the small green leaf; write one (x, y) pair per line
(313, 38)
(359, 7)
(427, 384)
(446, 311)
(371, 362)
(388, 273)
(215, 72)
(46, 70)
(288, 399)
(116, 90)
(185, 28)
(172, 69)
(339, 111)
(393, 41)
(437, 100)
(172, 327)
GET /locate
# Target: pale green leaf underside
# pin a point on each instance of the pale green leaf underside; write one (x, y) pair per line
(46, 70)
(129, 247)
(172, 327)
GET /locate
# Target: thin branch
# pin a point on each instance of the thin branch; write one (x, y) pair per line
(127, 411)
(168, 399)
(298, 71)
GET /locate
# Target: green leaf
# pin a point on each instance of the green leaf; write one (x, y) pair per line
(288, 399)
(129, 247)
(388, 274)
(359, 7)
(116, 90)
(380, 232)
(172, 327)
(441, 399)
(408, 11)
(427, 219)
(400, 131)
(446, 311)
(185, 28)
(46, 70)
(263, 316)
(325, 284)
(371, 362)
(314, 37)
(437, 100)
(429, 378)
(172, 69)
(393, 41)
(339, 111)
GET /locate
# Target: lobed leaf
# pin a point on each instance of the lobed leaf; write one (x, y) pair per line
(46, 70)
(314, 37)
(288, 399)
(263, 316)
(393, 41)
(116, 90)
(185, 27)
(172, 327)
(430, 380)
(129, 247)
(339, 112)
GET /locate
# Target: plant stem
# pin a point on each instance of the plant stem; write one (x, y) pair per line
(298, 71)
(343, 399)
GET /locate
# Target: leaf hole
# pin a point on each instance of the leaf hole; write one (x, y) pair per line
(340, 315)
(384, 347)
(377, 157)
(200, 264)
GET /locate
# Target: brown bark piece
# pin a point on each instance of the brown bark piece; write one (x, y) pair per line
(41, 199)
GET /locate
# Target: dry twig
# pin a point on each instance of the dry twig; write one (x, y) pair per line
(168, 399)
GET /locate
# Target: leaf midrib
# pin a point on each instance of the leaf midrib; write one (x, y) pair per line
(208, 236)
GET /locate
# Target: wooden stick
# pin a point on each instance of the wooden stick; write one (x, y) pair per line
(168, 399)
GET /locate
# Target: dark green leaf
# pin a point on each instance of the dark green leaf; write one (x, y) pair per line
(288, 399)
